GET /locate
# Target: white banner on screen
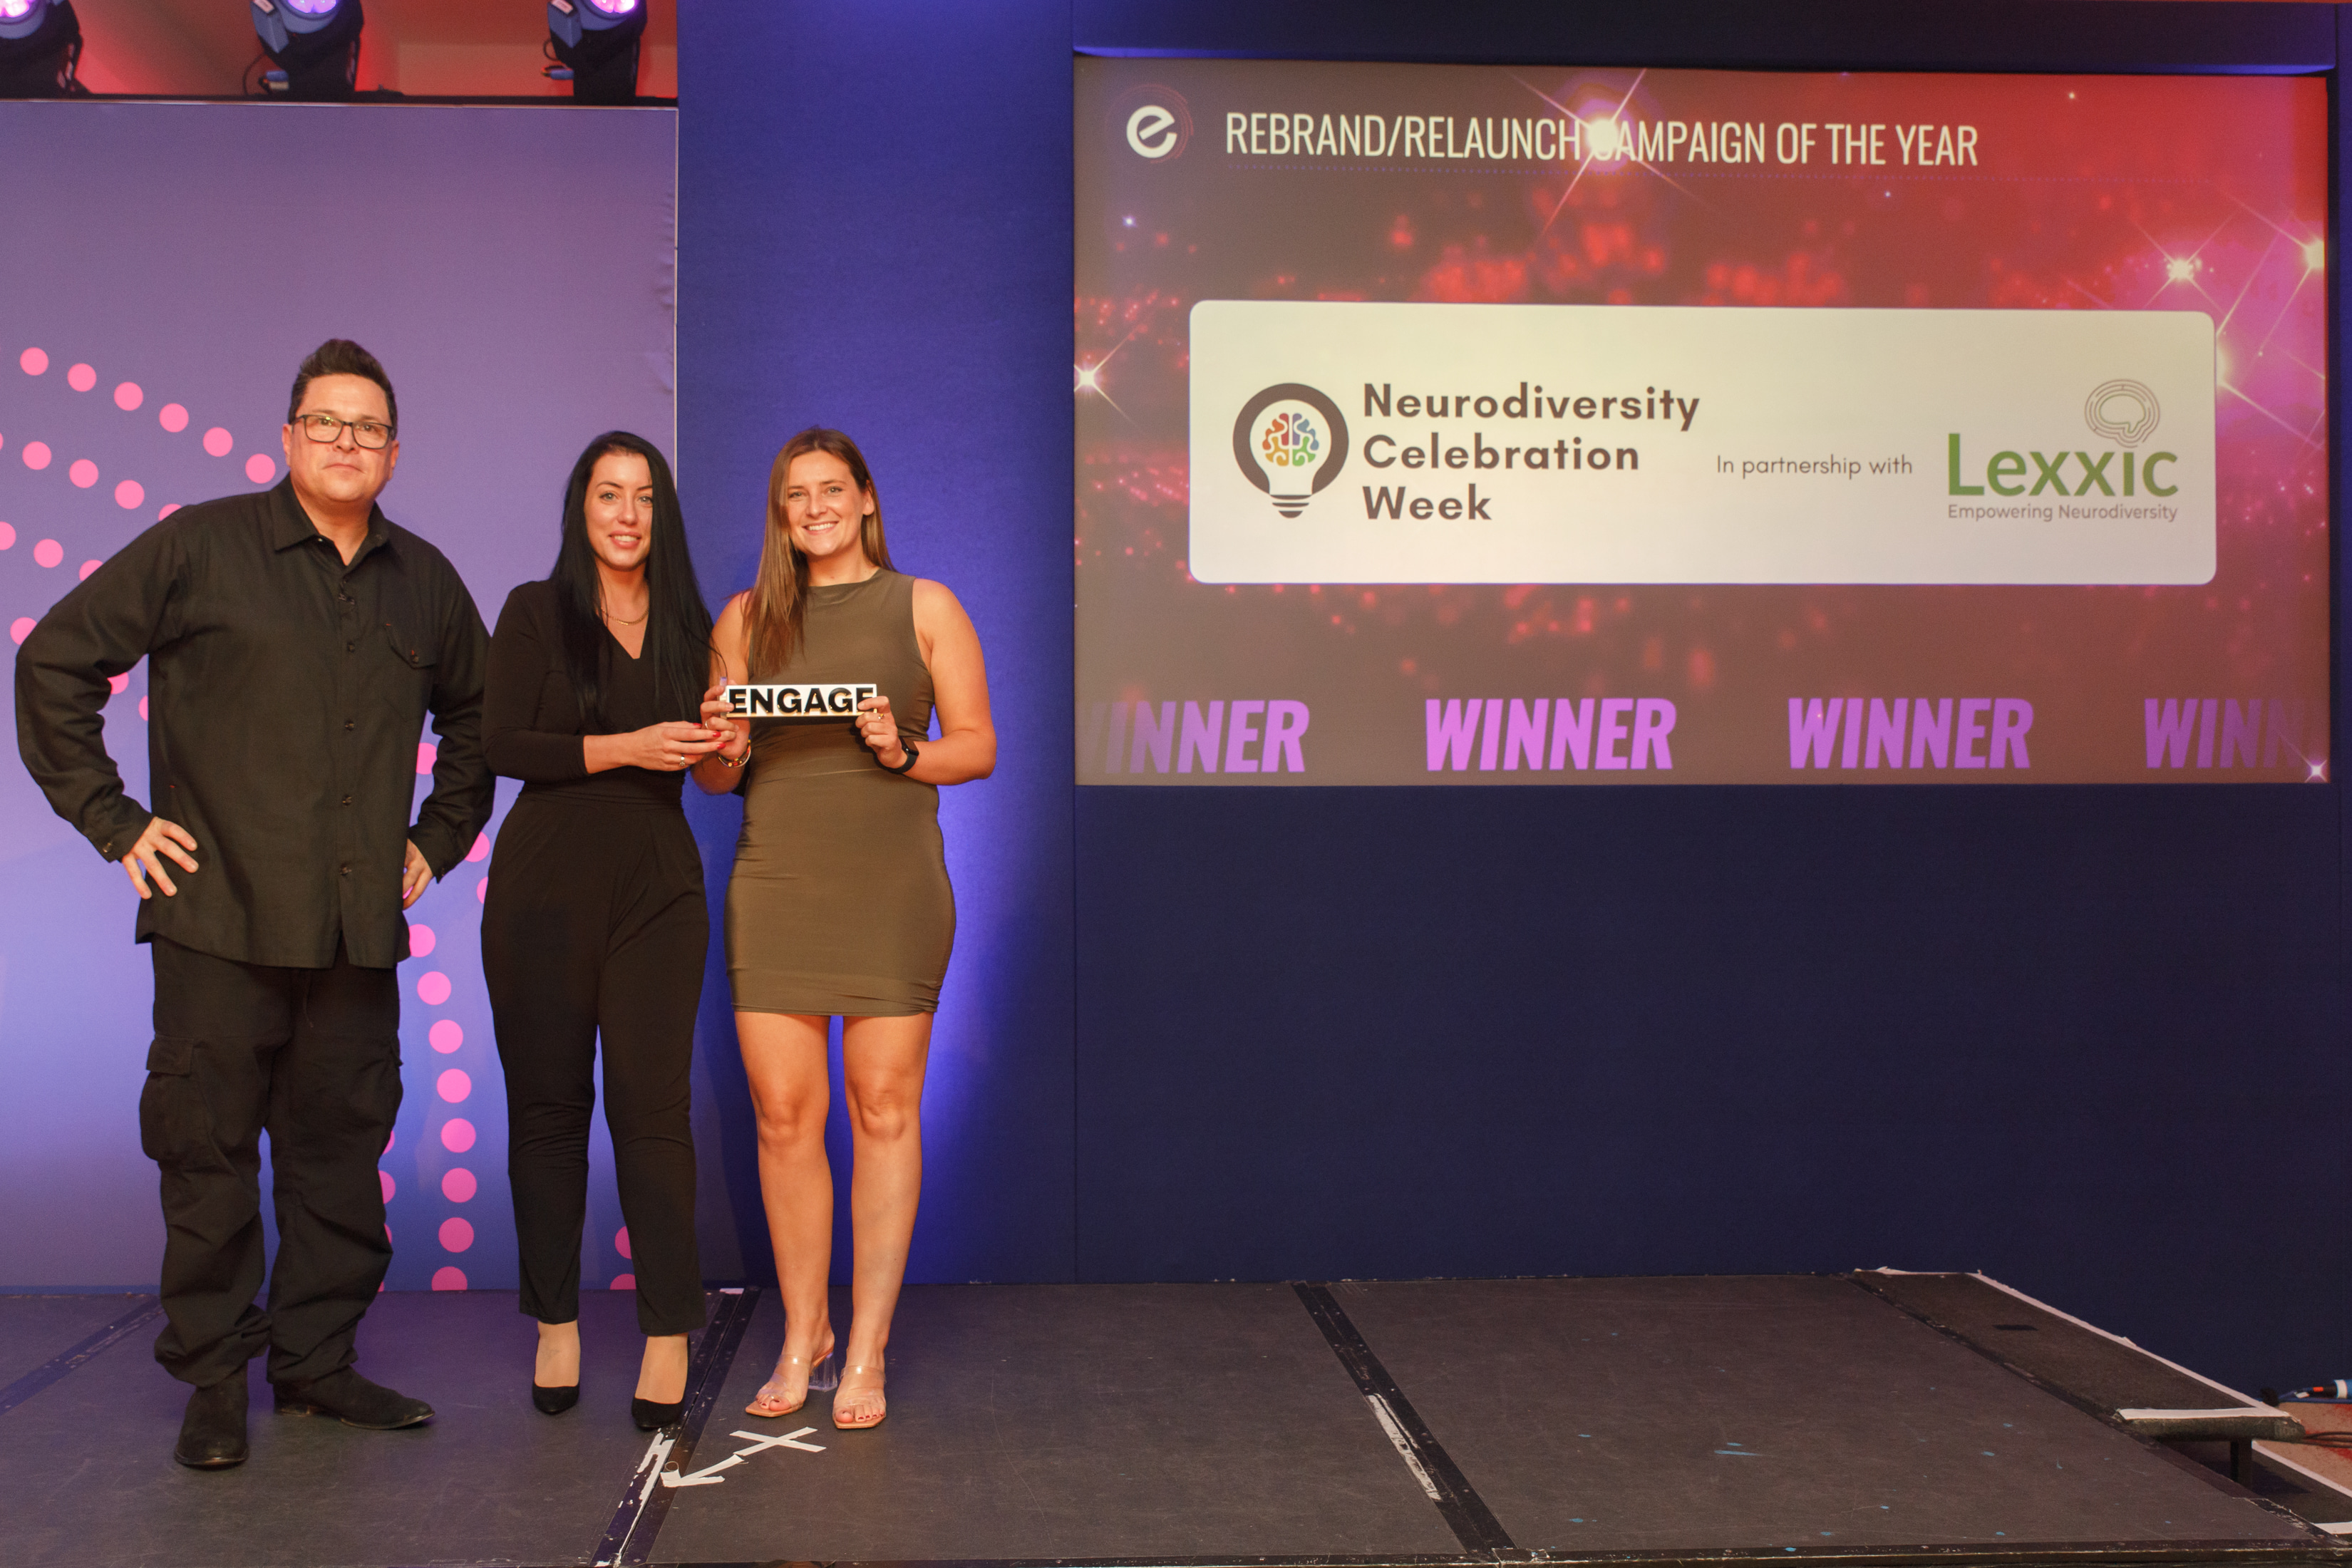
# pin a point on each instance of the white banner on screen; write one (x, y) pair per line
(1356, 442)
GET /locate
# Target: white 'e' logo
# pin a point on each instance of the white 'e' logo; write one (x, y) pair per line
(1151, 131)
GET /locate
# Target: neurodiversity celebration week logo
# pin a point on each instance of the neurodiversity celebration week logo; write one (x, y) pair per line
(1290, 441)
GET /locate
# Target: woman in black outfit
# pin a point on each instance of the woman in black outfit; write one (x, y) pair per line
(595, 922)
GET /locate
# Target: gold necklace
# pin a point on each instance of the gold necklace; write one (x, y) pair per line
(619, 622)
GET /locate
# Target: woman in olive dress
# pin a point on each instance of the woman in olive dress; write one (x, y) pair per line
(839, 906)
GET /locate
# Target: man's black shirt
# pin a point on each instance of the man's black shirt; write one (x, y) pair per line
(286, 692)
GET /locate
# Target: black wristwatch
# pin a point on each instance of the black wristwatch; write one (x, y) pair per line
(908, 764)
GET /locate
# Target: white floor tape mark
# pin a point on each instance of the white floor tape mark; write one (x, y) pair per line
(708, 1474)
(789, 1440)
(650, 1467)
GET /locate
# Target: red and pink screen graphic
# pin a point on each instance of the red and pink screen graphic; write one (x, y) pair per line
(1899, 460)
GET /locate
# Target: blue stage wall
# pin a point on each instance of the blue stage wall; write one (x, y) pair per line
(875, 209)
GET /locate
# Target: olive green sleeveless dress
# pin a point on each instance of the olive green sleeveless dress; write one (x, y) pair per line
(840, 901)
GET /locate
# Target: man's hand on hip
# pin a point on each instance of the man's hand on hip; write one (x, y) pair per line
(146, 857)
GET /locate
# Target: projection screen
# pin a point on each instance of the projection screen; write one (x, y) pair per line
(1518, 426)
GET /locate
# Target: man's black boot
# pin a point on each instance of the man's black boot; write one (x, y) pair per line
(355, 1400)
(212, 1434)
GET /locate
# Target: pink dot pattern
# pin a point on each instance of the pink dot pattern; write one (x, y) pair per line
(130, 495)
(390, 1186)
(427, 754)
(171, 417)
(84, 473)
(89, 566)
(459, 1185)
(481, 849)
(7, 536)
(624, 1282)
(167, 511)
(33, 361)
(482, 889)
(143, 702)
(454, 1086)
(129, 397)
(117, 684)
(432, 988)
(456, 1235)
(218, 441)
(81, 378)
(37, 455)
(446, 1035)
(421, 941)
(449, 1278)
(456, 1135)
(22, 627)
(259, 469)
(621, 1243)
(49, 552)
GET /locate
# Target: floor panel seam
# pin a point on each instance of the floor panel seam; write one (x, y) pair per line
(1465, 1511)
(88, 1349)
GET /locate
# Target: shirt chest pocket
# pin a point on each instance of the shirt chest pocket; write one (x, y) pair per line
(405, 677)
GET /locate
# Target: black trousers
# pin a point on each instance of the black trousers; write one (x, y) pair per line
(312, 1057)
(595, 925)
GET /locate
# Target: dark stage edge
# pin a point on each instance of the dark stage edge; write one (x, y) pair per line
(1863, 1419)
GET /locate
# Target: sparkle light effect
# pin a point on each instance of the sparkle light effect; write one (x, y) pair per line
(1088, 374)
(1606, 139)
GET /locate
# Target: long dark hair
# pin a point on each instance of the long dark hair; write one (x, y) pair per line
(778, 604)
(678, 625)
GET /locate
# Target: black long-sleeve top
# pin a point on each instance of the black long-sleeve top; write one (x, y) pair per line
(286, 691)
(532, 726)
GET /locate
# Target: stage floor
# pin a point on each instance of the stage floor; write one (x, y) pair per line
(1865, 1418)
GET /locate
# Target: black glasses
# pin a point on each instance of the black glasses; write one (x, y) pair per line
(325, 429)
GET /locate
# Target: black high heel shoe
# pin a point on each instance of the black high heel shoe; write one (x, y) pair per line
(652, 1418)
(555, 1398)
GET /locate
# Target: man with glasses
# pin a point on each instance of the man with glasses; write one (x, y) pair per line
(296, 640)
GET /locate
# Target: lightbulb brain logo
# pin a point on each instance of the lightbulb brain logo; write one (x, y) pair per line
(2125, 412)
(1290, 442)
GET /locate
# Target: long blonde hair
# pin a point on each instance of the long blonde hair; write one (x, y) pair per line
(777, 606)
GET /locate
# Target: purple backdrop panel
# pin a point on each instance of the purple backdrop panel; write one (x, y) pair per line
(166, 266)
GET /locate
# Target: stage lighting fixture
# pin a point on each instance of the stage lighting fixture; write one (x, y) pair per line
(40, 44)
(314, 44)
(596, 40)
